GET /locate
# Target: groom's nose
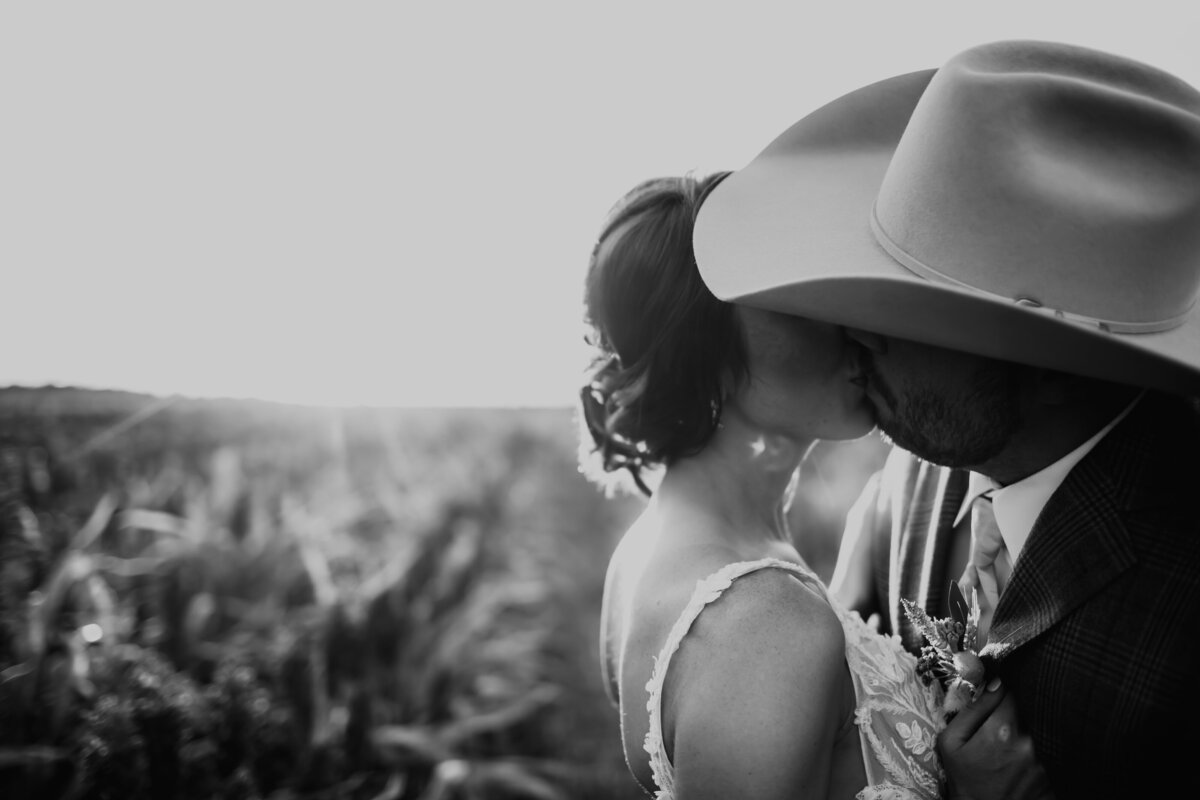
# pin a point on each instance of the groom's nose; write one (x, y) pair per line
(873, 342)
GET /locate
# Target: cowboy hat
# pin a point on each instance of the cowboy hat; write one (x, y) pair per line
(1029, 201)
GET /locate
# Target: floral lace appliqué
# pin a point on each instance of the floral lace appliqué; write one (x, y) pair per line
(896, 714)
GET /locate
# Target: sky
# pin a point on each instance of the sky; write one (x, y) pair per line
(368, 203)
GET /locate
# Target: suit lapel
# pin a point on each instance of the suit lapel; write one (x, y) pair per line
(1077, 546)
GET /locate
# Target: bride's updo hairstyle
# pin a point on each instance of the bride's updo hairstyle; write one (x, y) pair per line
(667, 351)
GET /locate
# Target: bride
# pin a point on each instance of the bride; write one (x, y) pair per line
(735, 673)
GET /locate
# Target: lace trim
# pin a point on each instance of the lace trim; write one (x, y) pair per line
(897, 716)
(887, 791)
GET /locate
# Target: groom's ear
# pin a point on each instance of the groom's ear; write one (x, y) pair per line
(1048, 387)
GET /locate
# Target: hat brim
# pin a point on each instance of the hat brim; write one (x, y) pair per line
(791, 232)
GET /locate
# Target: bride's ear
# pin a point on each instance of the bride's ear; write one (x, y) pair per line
(730, 384)
(735, 379)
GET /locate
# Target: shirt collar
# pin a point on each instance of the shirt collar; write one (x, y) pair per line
(1018, 505)
(977, 484)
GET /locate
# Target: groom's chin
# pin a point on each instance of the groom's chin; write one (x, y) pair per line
(920, 446)
(888, 435)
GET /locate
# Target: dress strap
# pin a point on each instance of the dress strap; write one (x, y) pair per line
(707, 590)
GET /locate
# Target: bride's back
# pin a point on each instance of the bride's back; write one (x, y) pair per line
(738, 640)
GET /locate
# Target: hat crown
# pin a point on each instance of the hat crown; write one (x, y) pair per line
(1052, 175)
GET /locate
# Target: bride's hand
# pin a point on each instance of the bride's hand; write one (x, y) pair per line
(986, 755)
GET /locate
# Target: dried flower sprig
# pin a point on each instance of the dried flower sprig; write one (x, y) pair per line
(952, 655)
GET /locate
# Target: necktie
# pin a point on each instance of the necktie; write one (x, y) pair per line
(989, 565)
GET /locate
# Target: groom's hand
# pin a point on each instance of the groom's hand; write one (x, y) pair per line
(986, 755)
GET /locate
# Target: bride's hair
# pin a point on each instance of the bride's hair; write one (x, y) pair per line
(667, 350)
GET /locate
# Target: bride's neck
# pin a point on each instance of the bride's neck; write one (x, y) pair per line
(745, 474)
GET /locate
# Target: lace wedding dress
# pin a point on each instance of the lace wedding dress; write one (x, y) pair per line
(896, 714)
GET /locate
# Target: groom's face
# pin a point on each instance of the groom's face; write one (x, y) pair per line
(948, 407)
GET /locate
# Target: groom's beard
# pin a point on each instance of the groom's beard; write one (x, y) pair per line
(965, 425)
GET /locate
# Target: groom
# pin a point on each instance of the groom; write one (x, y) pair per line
(1014, 241)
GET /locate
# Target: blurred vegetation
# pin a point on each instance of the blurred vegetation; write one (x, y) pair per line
(227, 599)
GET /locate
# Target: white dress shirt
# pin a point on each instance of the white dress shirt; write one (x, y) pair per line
(1018, 505)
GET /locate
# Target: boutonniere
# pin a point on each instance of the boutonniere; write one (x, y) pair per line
(952, 655)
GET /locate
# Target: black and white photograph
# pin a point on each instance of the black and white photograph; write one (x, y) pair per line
(599, 401)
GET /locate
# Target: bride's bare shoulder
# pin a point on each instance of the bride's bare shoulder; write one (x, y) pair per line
(770, 609)
(654, 572)
(759, 686)
(766, 612)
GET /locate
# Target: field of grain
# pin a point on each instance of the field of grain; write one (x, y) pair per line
(242, 600)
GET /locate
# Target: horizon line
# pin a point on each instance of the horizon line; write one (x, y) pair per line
(226, 398)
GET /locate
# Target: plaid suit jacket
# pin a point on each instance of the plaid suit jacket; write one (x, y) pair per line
(1098, 630)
